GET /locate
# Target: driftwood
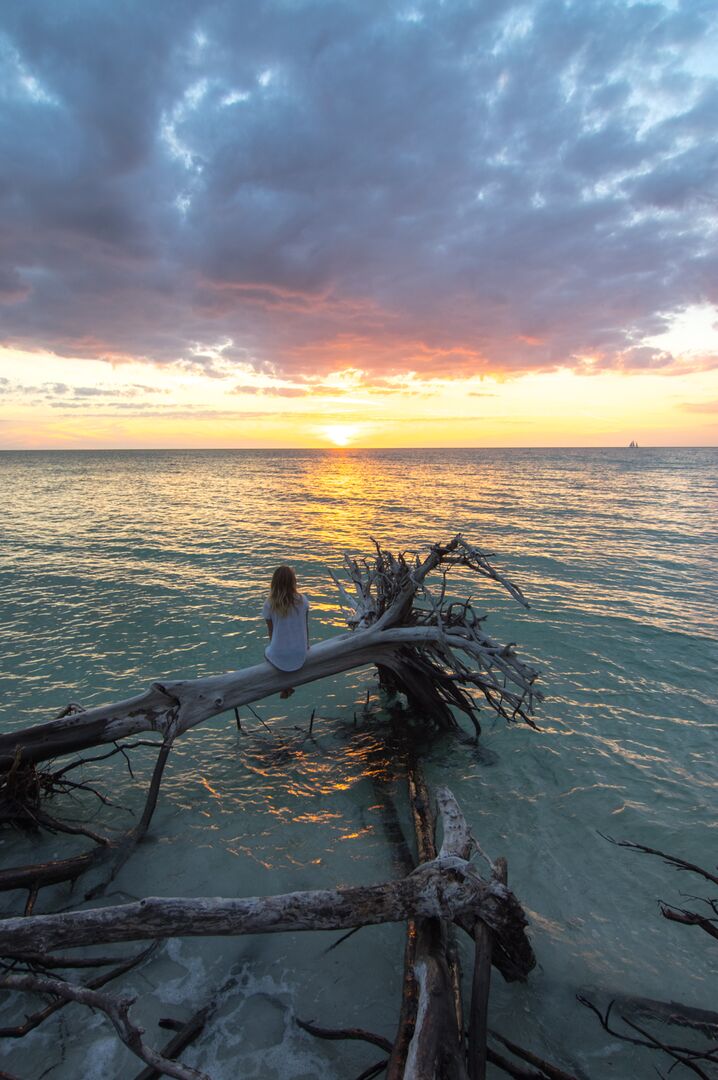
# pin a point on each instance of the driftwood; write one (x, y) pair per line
(435, 651)
(117, 1011)
(18, 1031)
(118, 849)
(701, 1061)
(424, 645)
(431, 1043)
(435, 1047)
(447, 887)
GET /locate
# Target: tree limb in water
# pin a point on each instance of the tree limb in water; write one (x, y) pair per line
(436, 650)
(117, 1011)
(448, 888)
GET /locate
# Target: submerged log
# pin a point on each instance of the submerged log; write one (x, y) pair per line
(435, 650)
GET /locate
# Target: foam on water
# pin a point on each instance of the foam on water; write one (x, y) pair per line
(119, 568)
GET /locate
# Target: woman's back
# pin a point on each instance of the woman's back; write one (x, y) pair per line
(287, 648)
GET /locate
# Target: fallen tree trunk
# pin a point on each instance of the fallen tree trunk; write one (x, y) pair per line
(435, 650)
(447, 888)
(184, 704)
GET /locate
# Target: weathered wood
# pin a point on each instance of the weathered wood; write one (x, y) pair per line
(186, 1035)
(546, 1068)
(117, 1011)
(457, 839)
(690, 918)
(667, 1012)
(481, 981)
(481, 984)
(339, 1034)
(448, 888)
(407, 1012)
(415, 946)
(438, 654)
(18, 1031)
(435, 1048)
(39, 875)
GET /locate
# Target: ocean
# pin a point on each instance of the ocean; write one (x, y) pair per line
(119, 568)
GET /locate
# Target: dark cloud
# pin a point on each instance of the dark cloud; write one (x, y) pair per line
(443, 188)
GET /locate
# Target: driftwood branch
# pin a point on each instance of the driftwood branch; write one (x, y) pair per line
(33, 1021)
(436, 651)
(683, 1055)
(38, 875)
(671, 860)
(667, 1012)
(546, 1069)
(117, 1010)
(447, 888)
(345, 1033)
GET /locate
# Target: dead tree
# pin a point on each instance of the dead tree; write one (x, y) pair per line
(425, 645)
(431, 648)
(434, 650)
(447, 888)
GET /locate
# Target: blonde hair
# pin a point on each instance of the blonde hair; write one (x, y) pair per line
(283, 594)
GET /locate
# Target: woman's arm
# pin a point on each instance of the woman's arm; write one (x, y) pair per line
(270, 628)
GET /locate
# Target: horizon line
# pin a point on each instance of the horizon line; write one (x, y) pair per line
(332, 449)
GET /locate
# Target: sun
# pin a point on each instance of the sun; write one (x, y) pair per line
(340, 434)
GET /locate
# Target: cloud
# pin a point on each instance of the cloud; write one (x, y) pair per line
(476, 189)
(700, 406)
(271, 391)
(60, 394)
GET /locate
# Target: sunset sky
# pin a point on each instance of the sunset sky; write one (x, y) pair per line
(309, 223)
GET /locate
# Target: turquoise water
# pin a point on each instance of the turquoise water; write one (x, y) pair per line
(119, 568)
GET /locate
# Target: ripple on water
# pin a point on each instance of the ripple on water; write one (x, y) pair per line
(116, 568)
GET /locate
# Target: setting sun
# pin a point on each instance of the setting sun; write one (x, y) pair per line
(340, 434)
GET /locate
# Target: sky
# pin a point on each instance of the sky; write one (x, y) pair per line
(250, 223)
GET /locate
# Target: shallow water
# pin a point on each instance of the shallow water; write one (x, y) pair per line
(118, 568)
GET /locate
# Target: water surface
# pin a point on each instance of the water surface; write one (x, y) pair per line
(117, 568)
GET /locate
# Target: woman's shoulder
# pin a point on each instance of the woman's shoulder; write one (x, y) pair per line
(303, 601)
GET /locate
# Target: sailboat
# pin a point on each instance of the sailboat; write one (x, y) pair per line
(633, 445)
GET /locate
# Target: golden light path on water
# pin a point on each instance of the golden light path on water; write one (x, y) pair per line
(119, 568)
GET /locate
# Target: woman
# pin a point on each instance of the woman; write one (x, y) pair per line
(287, 615)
